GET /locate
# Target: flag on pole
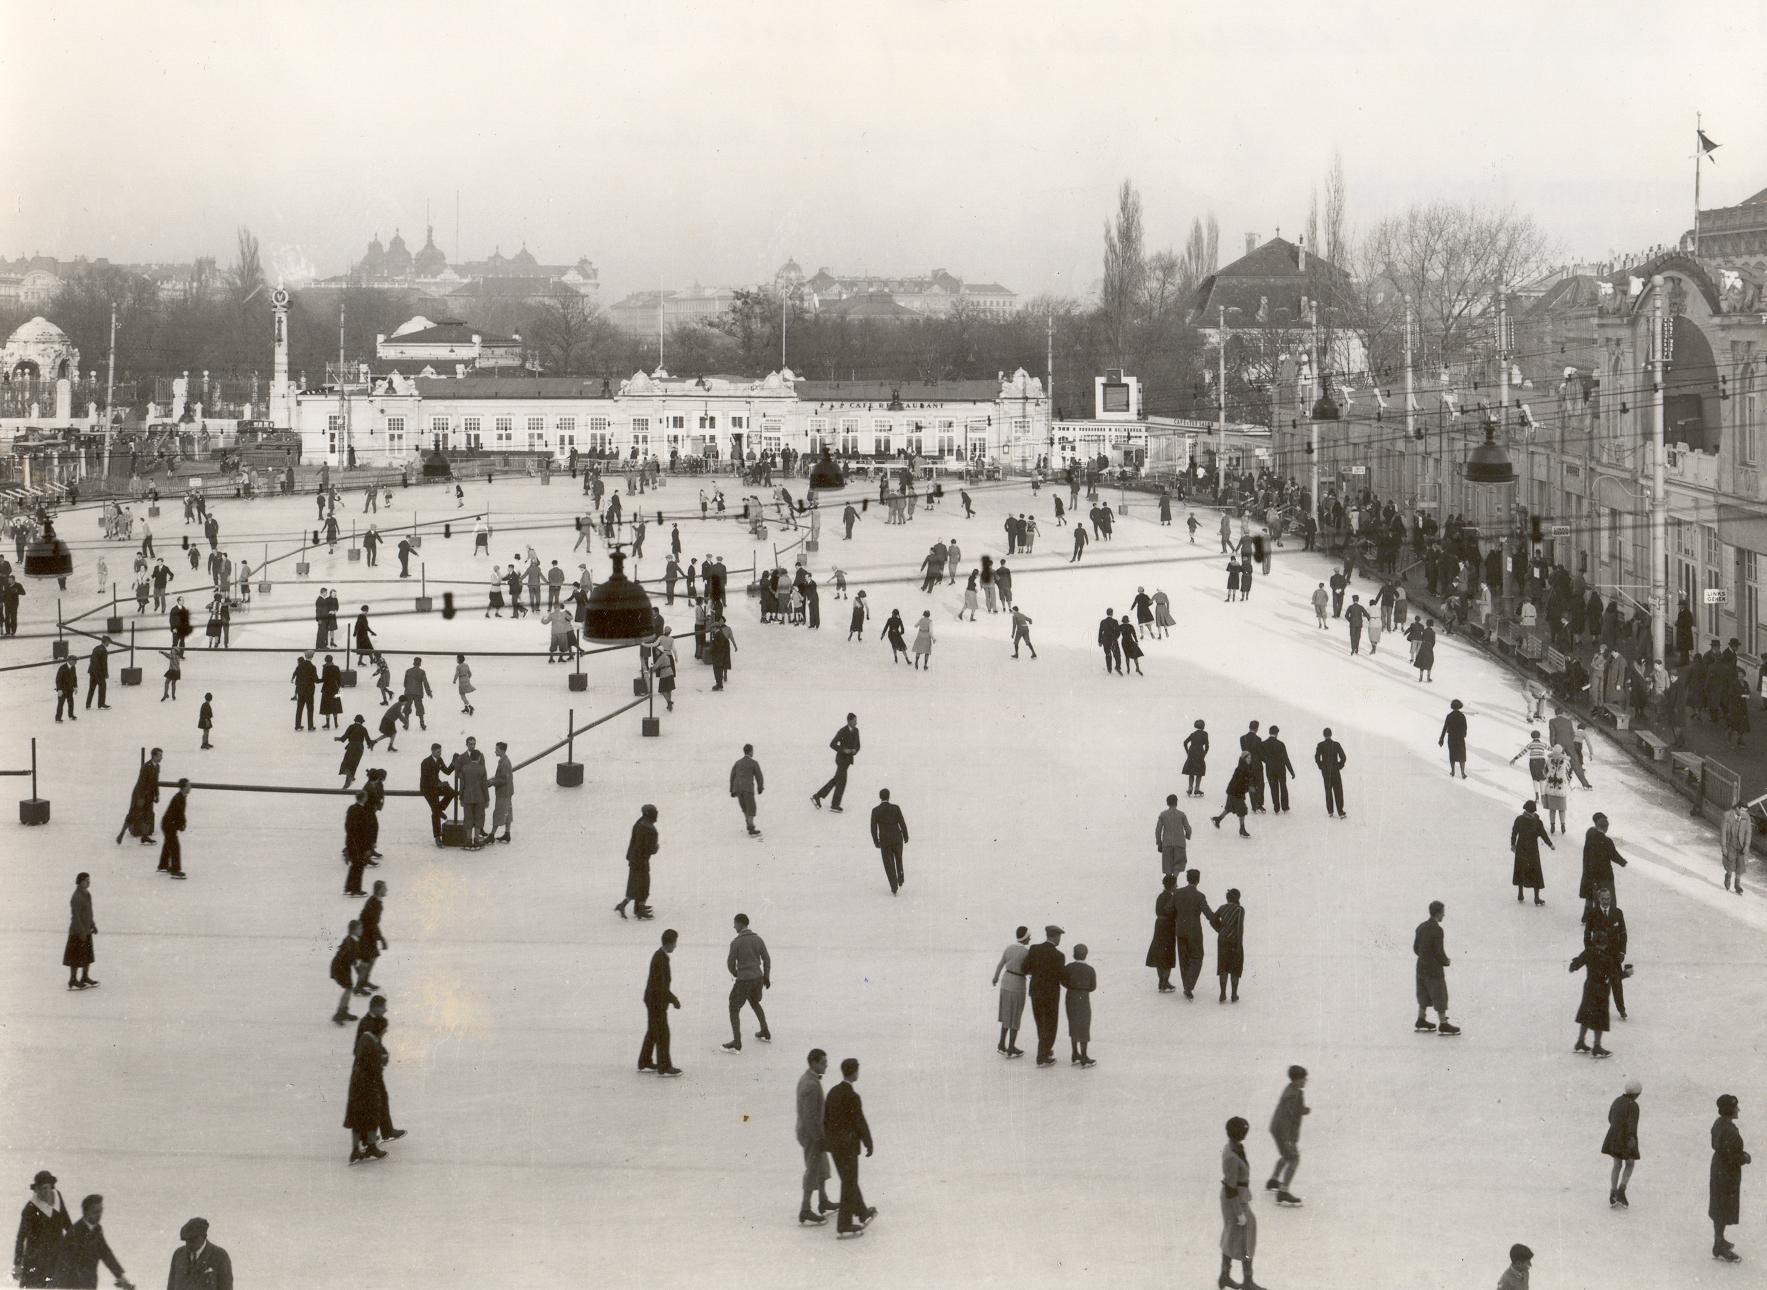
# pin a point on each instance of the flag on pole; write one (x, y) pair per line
(1707, 147)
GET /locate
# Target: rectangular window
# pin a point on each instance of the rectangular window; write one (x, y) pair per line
(880, 437)
(947, 438)
(708, 421)
(438, 427)
(470, 427)
(817, 430)
(850, 426)
(505, 431)
(396, 435)
(1748, 611)
(915, 439)
(641, 435)
(675, 422)
(1747, 439)
(566, 428)
(1714, 570)
(1021, 428)
(739, 421)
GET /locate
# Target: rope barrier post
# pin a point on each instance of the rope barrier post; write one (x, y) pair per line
(354, 554)
(33, 810)
(115, 622)
(302, 568)
(650, 726)
(570, 770)
(131, 675)
(578, 680)
(264, 573)
(415, 540)
(424, 603)
(58, 648)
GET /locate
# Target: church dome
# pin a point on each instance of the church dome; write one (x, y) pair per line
(524, 258)
(374, 260)
(398, 261)
(38, 331)
(429, 262)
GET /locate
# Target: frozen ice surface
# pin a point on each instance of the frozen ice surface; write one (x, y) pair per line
(205, 1078)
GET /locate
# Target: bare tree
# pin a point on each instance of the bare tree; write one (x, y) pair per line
(1168, 285)
(1125, 271)
(1337, 200)
(566, 330)
(1201, 251)
(246, 278)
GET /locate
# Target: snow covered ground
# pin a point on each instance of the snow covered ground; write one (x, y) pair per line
(205, 1078)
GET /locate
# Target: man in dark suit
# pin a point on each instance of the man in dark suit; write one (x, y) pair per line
(1110, 636)
(197, 1265)
(1278, 769)
(306, 682)
(67, 685)
(84, 1247)
(846, 749)
(1043, 965)
(438, 794)
(1252, 743)
(889, 834)
(98, 674)
(1328, 755)
(1191, 908)
(360, 832)
(172, 823)
(1599, 858)
(1603, 916)
(1428, 945)
(844, 1130)
(658, 999)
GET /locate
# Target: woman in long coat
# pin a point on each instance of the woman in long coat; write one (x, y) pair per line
(1232, 579)
(1009, 975)
(1728, 1157)
(1621, 1142)
(893, 628)
(1454, 735)
(1525, 837)
(923, 641)
(1080, 979)
(365, 1107)
(1196, 756)
(1239, 1226)
(969, 596)
(861, 611)
(1598, 973)
(1162, 613)
(1143, 607)
(1131, 647)
(1425, 661)
(78, 957)
(1162, 950)
(331, 704)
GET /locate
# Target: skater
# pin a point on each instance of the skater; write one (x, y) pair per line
(751, 970)
(1239, 1226)
(1285, 1127)
(1515, 1276)
(1432, 982)
(142, 799)
(1425, 659)
(172, 824)
(1535, 751)
(1110, 636)
(1356, 616)
(355, 738)
(1230, 945)
(1621, 1143)
(1196, 756)
(1191, 525)
(473, 783)
(364, 634)
(361, 830)
(861, 612)
(653, 1055)
(1081, 980)
(1454, 736)
(331, 703)
(845, 1130)
(1239, 784)
(1599, 858)
(746, 784)
(98, 674)
(372, 940)
(1021, 630)
(846, 750)
(1278, 769)
(889, 834)
(1192, 909)
(67, 689)
(416, 689)
(42, 1228)
(503, 793)
(1043, 965)
(923, 641)
(430, 774)
(640, 847)
(1251, 742)
(1320, 601)
(1724, 1203)
(173, 674)
(1080, 541)
(343, 965)
(893, 631)
(365, 1104)
(1162, 614)
(1171, 831)
(205, 719)
(815, 1146)
(1130, 645)
(1328, 755)
(1599, 969)
(1009, 975)
(1738, 829)
(1555, 793)
(720, 645)
(78, 955)
(83, 1248)
(1525, 836)
(1162, 950)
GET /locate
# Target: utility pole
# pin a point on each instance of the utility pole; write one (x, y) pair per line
(1503, 414)
(1410, 402)
(1313, 368)
(110, 385)
(1659, 544)
(343, 404)
(1221, 389)
(1049, 362)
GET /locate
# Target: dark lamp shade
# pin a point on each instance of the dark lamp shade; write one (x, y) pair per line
(825, 476)
(1489, 464)
(619, 612)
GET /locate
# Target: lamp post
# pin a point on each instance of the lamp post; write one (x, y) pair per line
(1658, 488)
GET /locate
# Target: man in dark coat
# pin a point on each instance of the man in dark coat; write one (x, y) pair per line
(846, 748)
(640, 847)
(172, 823)
(42, 1227)
(889, 834)
(1608, 919)
(1190, 908)
(1599, 858)
(306, 684)
(1251, 742)
(1432, 982)
(98, 674)
(67, 687)
(404, 557)
(1162, 950)
(84, 1248)
(658, 999)
(845, 1130)
(198, 1265)
(360, 831)
(1110, 639)
(438, 794)
(1328, 755)
(1278, 769)
(1043, 965)
(1724, 1205)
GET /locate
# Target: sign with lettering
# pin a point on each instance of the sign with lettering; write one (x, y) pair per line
(1715, 596)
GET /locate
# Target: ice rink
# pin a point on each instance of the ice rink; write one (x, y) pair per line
(205, 1077)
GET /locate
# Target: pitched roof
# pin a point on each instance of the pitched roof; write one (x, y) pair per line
(443, 333)
(1268, 277)
(509, 286)
(878, 305)
(512, 387)
(955, 391)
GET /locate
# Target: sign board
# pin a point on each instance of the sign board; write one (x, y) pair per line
(1358, 470)
(1715, 596)
(1561, 530)
(1262, 454)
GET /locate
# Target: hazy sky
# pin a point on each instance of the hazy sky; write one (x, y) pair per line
(680, 142)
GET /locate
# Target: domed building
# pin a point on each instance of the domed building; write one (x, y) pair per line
(398, 260)
(374, 260)
(39, 351)
(429, 262)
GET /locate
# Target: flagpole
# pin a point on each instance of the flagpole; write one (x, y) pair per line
(1698, 155)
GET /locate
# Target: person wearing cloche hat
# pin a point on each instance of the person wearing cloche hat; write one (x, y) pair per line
(1622, 1142)
(198, 1264)
(1728, 1158)
(41, 1228)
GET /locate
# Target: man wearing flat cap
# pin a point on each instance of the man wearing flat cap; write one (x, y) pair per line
(1043, 965)
(198, 1265)
(41, 1229)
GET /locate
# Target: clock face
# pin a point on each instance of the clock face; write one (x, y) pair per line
(279, 298)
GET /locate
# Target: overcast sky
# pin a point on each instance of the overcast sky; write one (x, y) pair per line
(677, 142)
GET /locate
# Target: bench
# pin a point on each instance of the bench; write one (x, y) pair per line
(1654, 746)
(1476, 631)
(1531, 648)
(1688, 764)
(1552, 663)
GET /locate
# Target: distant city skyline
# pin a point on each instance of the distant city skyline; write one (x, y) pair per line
(995, 153)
